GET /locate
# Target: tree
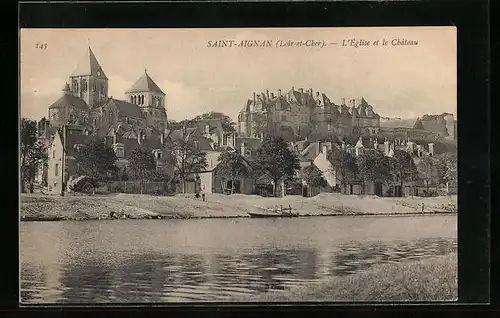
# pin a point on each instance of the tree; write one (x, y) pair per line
(313, 177)
(275, 159)
(227, 123)
(187, 158)
(428, 171)
(403, 167)
(344, 165)
(142, 165)
(374, 167)
(232, 166)
(96, 160)
(33, 153)
(260, 124)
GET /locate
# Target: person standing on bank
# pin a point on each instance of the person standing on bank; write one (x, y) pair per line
(203, 192)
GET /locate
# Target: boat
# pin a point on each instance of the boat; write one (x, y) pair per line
(273, 213)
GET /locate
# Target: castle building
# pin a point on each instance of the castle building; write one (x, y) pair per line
(298, 114)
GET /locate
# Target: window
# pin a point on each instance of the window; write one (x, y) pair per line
(142, 99)
(75, 86)
(103, 88)
(54, 116)
(84, 85)
(56, 172)
(53, 153)
(283, 117)
(94, 87)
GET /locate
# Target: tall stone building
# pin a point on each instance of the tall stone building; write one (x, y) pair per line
(298, 113)
(85, 103)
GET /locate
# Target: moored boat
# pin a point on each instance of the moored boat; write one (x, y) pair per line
(273, 213)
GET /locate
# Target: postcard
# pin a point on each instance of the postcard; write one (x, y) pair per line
(163, 166)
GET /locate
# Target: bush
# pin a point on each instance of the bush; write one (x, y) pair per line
(84, 184)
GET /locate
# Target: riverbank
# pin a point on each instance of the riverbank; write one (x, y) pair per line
(82, 207)
(434, 279)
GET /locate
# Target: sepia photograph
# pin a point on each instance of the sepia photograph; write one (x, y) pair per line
(238, 165)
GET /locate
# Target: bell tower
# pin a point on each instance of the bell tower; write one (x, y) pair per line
(88, 81)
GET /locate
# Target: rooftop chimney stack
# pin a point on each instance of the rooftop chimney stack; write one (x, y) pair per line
(301, 90)
(279, 92)
(207, 129)
(431, 149)
(343, 100)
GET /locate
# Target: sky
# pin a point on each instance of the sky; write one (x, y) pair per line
(404, 81)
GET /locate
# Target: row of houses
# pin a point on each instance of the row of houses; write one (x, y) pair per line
(209, 136)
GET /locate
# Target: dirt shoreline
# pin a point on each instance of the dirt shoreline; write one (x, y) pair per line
(38, 207)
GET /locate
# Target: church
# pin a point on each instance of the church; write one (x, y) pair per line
(85, 103)
(85, 111)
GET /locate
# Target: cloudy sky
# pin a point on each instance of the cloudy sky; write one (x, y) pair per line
(398, 80)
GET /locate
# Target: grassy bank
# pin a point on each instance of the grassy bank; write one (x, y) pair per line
(80, 207)
(433, 279)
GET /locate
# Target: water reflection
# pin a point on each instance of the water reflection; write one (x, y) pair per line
(356, 256)
(88, 274)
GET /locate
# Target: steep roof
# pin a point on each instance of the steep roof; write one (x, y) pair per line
(145, 84)
(89, 66)
(126, 109)
(69, 100)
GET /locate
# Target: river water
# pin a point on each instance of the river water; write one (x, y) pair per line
(158, 261)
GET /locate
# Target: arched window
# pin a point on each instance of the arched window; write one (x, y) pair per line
(142, 99)
(134, 99)
(84, 85)
(75, 86)
(131, 99)
(102, 89)
(94, 87)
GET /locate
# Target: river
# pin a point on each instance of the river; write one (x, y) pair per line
(158, 261)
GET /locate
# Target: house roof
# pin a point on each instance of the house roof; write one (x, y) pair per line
(89, 66)
(250, 143)
(145, 84)
(69, 100)
(215, 125)
(399, 123)
(126, 109)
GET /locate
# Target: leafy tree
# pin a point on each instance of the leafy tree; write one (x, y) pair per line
(374, 167)
(187, 158)
(232, 166)
(313, 176)
(345, 165)
(403, 167)
(227, 122)
(96, 160)
(275, 159)
(451, 175)
(33, 153)
(260, 124)
(428, 170)
(142, 165)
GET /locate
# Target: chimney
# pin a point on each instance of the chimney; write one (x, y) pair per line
(267, 93)
(114, 137)
(254, 99)
(343, 100)
(325, 149)
(242, 149)
(386, 147)
(431, 149)
(293, 88)
(207, 129)
(279, 92)
(162, 136)
(301, 90)
(310, 91)
(272, 95)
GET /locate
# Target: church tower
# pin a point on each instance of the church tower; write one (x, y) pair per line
(151, 100)
(88, 81)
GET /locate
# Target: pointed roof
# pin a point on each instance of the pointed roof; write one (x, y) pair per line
(145, 84)
(89, 66)
(418, 124)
